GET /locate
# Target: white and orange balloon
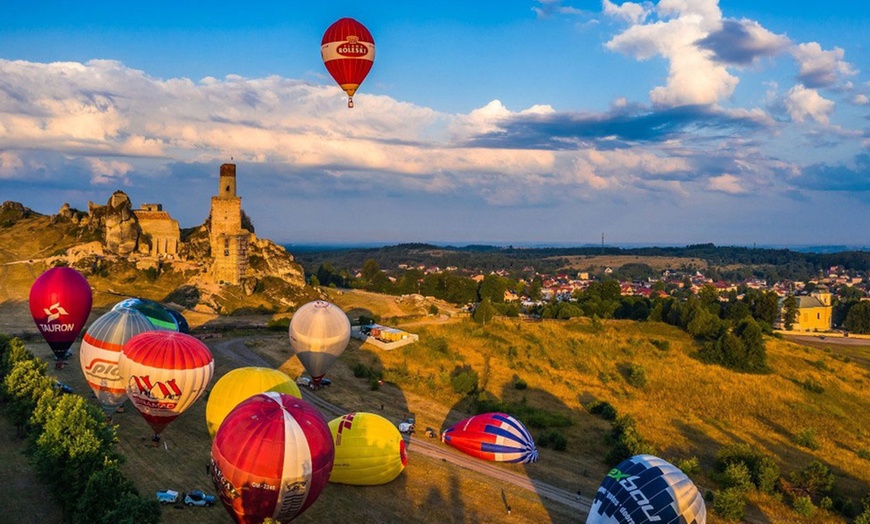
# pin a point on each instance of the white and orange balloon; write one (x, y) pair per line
(166, 372)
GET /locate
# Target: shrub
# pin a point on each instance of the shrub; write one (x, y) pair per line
(730, 504)
(626, 440)
(737, 476)
(520, 383)
(806, 438)
(766, 475)
(803, 506)
(553, 439)
(812, 386)
(864, 453)
(689, 466)
(278, 324)
(661, 345)
(816, 479)
(464, 380)
(604, 410)
(636, 376)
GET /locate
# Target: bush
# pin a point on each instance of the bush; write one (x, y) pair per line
(730, 504)
(278, 324)
(661, 345)
(603, 409)
(803, 506)
(636, 376)
(806, 438)
(626, 440)
(689, 466)
(464, 380)
(553, 439)
(520, 383)
(737, 476)
(812, 386)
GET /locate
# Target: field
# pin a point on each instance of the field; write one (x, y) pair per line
(685, 409)
(599, 262)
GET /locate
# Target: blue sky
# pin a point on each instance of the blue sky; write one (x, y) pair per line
(666, 122)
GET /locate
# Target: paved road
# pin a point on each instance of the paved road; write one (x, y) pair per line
(235, 350)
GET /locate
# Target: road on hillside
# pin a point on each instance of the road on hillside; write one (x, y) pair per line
(236, 351)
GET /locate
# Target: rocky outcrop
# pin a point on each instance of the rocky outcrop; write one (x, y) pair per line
(12, 212)
(118, 223)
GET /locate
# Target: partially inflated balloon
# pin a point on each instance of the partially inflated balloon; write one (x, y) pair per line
(369, 450)
(241, 384)
(271, 458)
(183, 326)
(166, 373)
(319, 333)
(156, 313)
(645, 488)
(492, 436)
(60, 302)
(101, 350)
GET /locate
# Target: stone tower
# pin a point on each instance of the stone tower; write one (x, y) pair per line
(229, 242)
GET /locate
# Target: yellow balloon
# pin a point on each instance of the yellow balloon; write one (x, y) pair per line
(241, 384)
(369, 450)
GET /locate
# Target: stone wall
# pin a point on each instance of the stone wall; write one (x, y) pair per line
(163, 230)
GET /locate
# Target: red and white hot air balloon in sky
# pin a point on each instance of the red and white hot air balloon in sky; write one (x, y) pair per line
(348, 52)
(166, 373)
(60, 302)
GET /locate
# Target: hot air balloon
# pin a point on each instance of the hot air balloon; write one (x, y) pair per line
(183, 326)
(319, 332)
(241, 384)
(101, 349)
(166, 372)
(369, 450)
(271, 458)
(645, 488)
(492, 436)
(60, 302)
(156, 313)
(348, 52)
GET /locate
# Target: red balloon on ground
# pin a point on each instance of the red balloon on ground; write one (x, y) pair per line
(271, 458)
(60, 302)
(348, 52)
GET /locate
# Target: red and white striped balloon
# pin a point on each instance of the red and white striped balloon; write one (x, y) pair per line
(166, 373)
(271, 458)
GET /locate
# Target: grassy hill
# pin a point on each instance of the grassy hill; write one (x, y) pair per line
(815, 404)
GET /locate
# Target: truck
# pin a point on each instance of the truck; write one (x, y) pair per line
(407, 426)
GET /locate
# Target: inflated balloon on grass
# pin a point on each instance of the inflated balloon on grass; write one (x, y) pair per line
(369, 450)
(239, 385)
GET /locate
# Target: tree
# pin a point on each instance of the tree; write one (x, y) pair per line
(492, 287)
(484, 312)
(753, 340)
(858, 318)
(790, 311)
(816, 479)
(373, 278)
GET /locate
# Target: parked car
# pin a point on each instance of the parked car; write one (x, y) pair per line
(198, 498)
(63, 388)
(167, 496)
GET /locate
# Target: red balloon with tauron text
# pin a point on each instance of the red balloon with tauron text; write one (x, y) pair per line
(271, 458)
(60, 302)
(348, 52)
(166, 372)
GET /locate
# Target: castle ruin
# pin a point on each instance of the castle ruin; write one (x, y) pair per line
(162, 229)
(228, 240)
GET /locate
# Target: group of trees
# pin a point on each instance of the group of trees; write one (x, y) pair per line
(71, 445)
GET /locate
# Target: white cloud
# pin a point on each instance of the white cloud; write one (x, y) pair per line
(549, 8)
(860, 100)
(802, 103)
(819, 68)
(726, 184)
(694, 76)
(631, 12)
(10, 163)
(108, 172)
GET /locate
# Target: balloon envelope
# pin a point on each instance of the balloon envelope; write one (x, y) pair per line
(369, 450)
(319, 333)
(156, 313)
(492, 436)
(166, 373)
(271, 458)
(101, 350)
(645, 488)
(183, 326)
(241, 384)
(348, 52)
(60, 302)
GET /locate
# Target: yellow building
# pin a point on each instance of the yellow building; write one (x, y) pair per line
(814, 311)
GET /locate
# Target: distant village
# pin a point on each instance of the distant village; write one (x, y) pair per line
(815, 298)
